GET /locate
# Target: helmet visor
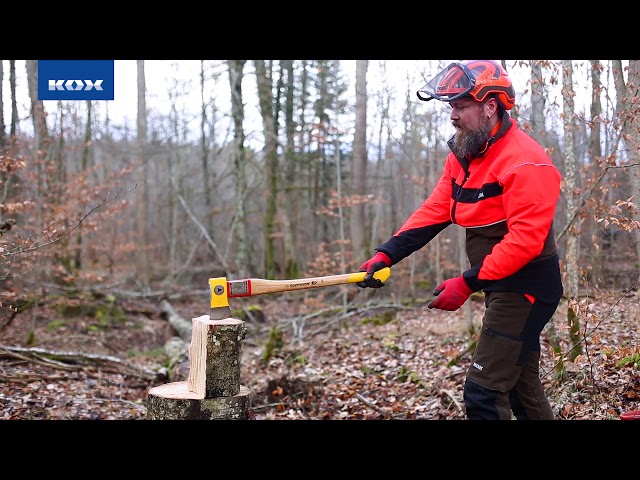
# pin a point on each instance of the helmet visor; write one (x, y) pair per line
(453, 82)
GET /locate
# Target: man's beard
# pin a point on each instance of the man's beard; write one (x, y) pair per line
(469, 143)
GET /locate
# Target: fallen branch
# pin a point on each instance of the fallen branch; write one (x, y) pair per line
(34, 359)
(116, 400)
(335, 319)
(453, 398)
(66, 361)
(371, 405)
(28, 378)
(181, 326)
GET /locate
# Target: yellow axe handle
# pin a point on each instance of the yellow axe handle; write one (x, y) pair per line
(259, 286)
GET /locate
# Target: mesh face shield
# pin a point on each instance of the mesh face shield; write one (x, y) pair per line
(476, 78)
(453, 82)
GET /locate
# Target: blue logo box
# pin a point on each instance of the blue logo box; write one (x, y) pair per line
(75, 80)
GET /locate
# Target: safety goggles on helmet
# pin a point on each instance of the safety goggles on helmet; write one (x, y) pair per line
(453, 82)
(476, 78)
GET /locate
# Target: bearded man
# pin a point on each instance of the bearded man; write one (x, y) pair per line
(500, 185)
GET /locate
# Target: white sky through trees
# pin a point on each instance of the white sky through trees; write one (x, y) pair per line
(181, 79)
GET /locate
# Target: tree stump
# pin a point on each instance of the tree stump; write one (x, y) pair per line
(213, 390)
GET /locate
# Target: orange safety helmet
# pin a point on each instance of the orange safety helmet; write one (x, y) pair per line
(476, 78)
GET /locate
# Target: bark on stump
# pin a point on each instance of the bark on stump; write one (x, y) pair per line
(213, 390)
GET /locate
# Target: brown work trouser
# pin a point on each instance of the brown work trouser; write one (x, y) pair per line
(503, 378)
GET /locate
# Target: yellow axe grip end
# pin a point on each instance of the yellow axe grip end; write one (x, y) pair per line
(218, 290)
(381, 275)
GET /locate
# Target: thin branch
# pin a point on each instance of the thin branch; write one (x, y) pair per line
(193, 218)
(362, 310)
(371, 405)
(67, 232)
(65, 359)
(589, 193)
(453, 398)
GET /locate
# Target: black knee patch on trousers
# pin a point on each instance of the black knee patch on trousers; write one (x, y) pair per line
(480, 402)
(539, 316)
(516, 406)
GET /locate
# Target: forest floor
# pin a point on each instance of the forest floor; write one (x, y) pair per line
(302, 360)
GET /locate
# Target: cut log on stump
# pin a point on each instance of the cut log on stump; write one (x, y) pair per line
(174, 401)
(213, 389)
(214, 356)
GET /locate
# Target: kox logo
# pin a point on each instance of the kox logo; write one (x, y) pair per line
(75, 80)
(75, 85)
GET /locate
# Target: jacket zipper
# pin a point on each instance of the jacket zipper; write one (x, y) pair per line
(495, 333)
(455, 200)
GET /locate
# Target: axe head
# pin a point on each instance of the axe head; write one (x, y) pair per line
(219, 298)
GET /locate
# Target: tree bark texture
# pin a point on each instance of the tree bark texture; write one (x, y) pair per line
(142, 212)
(572, 280)
(359, 248)
(265, 87)
(173, 401)
(3, 135)
(238, 155)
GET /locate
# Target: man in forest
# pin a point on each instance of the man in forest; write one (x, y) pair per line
(502, 188)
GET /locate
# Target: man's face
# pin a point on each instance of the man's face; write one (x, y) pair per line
(472, 125)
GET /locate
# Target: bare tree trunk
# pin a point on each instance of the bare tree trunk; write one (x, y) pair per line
(537, 101)
(322, 174)
(142, 205)
(236, 68)
(572, 281)
(9, 181)
(595, 149)
(291, 196)
(3, 133)
(341, 235)
(359, 248)
(174, 187)
(463, 263)
(628, 112)
(634, 156)
(204, 152)
(417, 193)
(41, 136)
(37, 108)
(265, 95)
(14, 101)
(84, 165)
(41, 149)
(538, 132)
(514, 112)
(306, 197)
(377, 185)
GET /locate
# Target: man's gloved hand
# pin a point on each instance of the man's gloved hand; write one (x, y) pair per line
(377, 262)
(451, 294)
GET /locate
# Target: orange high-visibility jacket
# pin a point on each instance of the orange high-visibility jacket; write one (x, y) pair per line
(505, 199)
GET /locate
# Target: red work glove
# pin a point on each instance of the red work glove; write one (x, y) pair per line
(377, 262)
(451, 294)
